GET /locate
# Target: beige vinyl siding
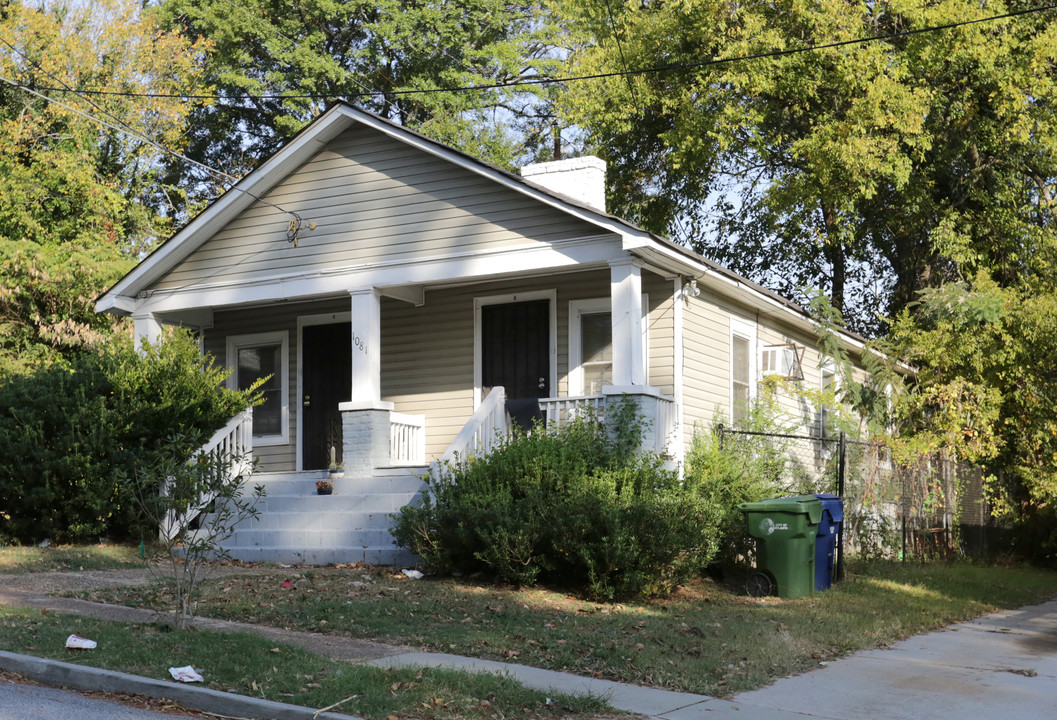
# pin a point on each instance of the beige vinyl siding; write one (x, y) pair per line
(661, 333)
(374, 200)
(272, 318)
(427, 352)
(706, 361)
(795, 398)
(706, 329)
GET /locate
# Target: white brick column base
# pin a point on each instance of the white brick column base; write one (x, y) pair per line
(365, 439)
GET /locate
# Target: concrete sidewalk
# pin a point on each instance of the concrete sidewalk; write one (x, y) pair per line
(998, 666)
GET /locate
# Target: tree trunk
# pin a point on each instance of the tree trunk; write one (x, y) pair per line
(834, 252)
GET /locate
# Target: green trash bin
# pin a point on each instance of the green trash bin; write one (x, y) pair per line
(785, 530)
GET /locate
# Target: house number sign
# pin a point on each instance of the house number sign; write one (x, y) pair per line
(359, 343)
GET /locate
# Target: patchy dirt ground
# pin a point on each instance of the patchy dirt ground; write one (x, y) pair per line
(39, 590)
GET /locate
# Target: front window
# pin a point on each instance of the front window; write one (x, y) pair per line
(263, 356)
(255, 363)
(591, 344)
(596, 346)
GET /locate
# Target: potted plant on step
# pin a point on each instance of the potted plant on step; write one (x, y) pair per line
(337, 470)
(324, 487)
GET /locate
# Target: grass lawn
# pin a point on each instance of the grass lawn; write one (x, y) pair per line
(21, 559)
(708, 638)
(249, 665)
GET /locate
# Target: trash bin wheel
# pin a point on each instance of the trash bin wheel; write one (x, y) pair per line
(758, 585)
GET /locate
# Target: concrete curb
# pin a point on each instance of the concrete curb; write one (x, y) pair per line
(80, 677)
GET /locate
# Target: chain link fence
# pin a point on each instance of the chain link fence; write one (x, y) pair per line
(933, 509)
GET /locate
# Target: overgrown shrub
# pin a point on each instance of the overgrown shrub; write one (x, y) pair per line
(576, 507)
(735, 468)
(71, 433)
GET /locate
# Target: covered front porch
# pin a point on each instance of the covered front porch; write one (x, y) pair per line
(403, 376)
(439, 386)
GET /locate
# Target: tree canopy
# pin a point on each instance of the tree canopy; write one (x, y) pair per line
(276, 66)
(80, 200)
(871, 169)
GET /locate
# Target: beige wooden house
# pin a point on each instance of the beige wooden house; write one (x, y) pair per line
(409, 302)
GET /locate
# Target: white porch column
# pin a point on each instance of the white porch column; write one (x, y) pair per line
(625, 282)
(365, 418)
(145, 325)
(366, 348)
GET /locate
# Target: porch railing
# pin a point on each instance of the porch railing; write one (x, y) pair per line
(660, 438)
(666, 426)
(407, 439)
(487, 427)
(231, 450)
(557, 411)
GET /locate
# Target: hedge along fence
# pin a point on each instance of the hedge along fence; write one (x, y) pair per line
(933, 508)
(72, 433)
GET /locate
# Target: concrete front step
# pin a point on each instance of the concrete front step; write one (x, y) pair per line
(318, 521)
(312, 538)
(296, 525)
(294, 555)
(337, 503)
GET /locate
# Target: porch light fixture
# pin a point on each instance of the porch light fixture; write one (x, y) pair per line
(691, 289)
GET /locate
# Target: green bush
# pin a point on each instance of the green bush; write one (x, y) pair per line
(575, 508)
(72, 433)
(735, 469)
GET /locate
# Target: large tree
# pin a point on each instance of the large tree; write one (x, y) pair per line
(79, 193)
(870, 169)
(277, 65)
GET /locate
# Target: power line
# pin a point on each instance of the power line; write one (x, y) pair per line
(535, 81)
(121, 126)
(124, 129)
(620, 49)
(295, 225)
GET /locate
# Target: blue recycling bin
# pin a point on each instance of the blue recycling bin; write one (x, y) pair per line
(826, 539)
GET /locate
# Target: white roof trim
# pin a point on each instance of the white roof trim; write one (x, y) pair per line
(312, 139)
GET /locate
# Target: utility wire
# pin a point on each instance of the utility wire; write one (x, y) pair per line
(119, 126)
(121, 129)
(620, 49)
(529, 82)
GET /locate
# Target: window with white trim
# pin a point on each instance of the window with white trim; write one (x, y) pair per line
(263, 355)
(591, 345)
(742, 368)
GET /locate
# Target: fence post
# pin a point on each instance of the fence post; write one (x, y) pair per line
(903, 509)
(719, 428)
(841, 461)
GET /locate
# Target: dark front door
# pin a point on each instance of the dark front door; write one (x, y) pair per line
(515, 353)
(326, 380)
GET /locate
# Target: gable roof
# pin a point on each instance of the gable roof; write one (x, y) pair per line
(658, 251)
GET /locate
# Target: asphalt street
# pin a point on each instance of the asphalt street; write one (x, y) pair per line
(34, 702)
